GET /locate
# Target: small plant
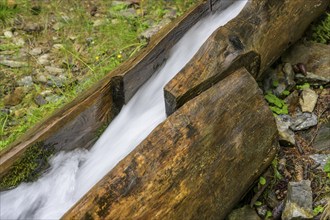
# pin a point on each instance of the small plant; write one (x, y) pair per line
(277, 105)
(318, 210)
(6, 12)
(321, 32)
(327, 168)
(304, 86)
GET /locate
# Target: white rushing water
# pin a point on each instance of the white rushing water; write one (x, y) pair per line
(72, 174)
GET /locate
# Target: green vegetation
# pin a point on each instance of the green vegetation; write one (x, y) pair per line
(277, 105)
(29, 167)
(90, 47)
(321, 31)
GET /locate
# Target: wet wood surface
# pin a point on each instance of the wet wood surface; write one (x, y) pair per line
(197, 164)
(263, 28)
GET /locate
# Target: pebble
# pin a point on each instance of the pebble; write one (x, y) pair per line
(52, 98)
(312, 79)
(308, 99)
(43, 59)
(39, 100)
(13, 63)
(246, 212)
(322, 140)
(54, 70)
(57, 26)
(33, 27)
(321, 159)
(286, 136)
(56, 81)
(58, 46)
(8, 34)
(25, 81)
(40, 77)
(302, 121)
(35, 51)
(19, 42)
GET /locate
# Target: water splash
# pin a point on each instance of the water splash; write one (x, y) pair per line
(73, 174)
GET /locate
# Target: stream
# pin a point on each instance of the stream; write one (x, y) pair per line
(73, 173)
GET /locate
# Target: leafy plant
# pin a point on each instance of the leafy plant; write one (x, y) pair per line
(327, 168)
(321, 32)
(262, 180)
(277, 105)
(304, 86)
(318, 210)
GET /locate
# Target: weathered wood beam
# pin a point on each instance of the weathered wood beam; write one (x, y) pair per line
(265, 28)
(197, 164)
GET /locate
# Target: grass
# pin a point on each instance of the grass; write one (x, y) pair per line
(88, 51)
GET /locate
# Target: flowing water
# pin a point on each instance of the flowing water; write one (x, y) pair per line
(72, 174)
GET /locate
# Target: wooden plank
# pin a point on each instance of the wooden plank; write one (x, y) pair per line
(197, 164)
(265, 28)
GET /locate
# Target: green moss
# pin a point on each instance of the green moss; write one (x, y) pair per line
(321, 30)
(29, 167)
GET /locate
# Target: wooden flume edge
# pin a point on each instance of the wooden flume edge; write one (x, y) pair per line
(77, 123)
(264, 29)
(197, 164)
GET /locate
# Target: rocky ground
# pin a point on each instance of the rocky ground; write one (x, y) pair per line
(50, 51)
(297, 185)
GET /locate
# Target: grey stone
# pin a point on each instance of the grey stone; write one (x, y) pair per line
(57, 81)
(302, 121)
(58, 46)
(33, 27)
(13, 63)
(315, 56)
(262, 211)
(52, 98)
(246, 212)
(54, 70)
(289, 76)
(40, 77)
(147, 34)
(57, 26)
(39, 100)
(8, 34)
(19, 42)
(43, 59)
(299, 201)
(25, 81)
(286, 136)
(35, 51)
(308, 99)
(321, 159)
(322, 140)
(312, 79)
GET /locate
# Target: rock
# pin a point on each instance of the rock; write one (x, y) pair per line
(40, 77)
(246, 212)
(299, 201)
(39, 100)
(25, 81)
(57, 26)
(312, 79)
(35, 51)
(303, 121)
(43, 60)
(262, 211)
(58, 46)
(315, 56)
(19, 42)
(52, 98)
(292, 101)
(15, 98)
(320, 158)
(13, 63)
(20, 113)
(56, 81)
(322, 140)
(308, 99)
(33, 27)
(286, 136)
(8, 34)
(289, 76)
(54, 70)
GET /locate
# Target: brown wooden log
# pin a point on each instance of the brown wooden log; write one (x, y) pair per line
(265, 28)
(197, 164)
(77, 124)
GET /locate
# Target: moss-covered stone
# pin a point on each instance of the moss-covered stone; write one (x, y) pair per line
(29, 167)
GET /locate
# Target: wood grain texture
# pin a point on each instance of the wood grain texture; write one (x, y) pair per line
(197, 164)
(265, 28)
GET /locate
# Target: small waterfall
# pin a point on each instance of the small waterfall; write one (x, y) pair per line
(72, 174)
